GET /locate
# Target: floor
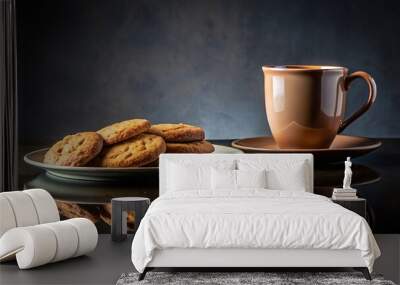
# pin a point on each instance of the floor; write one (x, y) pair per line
(389, 262)
(103, 266)
(110, 260)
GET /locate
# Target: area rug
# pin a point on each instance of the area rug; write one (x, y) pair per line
(268, 278)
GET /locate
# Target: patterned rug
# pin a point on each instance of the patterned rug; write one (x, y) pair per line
(269, 278)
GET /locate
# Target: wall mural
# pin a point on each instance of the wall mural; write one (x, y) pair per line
(105, 89)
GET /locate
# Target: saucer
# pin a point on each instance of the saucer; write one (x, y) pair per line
(342, 147)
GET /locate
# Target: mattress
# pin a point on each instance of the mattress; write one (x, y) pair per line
(252, 219)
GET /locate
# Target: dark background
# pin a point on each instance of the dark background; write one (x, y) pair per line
(84, 64)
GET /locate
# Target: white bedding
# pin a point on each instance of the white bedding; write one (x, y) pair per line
(250, 219)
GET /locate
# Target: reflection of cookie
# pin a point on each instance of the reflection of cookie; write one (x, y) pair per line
(123, 130)
(75, 150)
(178, 132)
(191, 147)
(152, 164)
(137, 151)
(72, 210)
(105, 215)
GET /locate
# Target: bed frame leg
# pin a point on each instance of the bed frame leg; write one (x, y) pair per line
(143, 274)
(364, 271)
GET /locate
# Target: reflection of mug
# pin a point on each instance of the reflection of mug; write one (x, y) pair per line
(306, 104)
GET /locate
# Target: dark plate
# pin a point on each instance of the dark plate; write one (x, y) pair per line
(35, 158)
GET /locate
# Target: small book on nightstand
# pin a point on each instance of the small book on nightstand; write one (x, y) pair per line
(344, 194)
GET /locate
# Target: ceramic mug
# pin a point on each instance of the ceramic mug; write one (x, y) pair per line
(305, 104)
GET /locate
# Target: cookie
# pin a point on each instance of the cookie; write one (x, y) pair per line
(137, 151)
(72, 210)
(152, 164)
(191, 147)
(75, 150)
(178, 132)
(121, 131)
(105, 215)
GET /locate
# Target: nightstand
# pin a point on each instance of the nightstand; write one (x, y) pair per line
(120, 208)
(358, 205)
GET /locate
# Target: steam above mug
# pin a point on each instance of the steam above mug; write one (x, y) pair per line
(305, 104)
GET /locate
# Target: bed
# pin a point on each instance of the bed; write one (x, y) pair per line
(247, 210)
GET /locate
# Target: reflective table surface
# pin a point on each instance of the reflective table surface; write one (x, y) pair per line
(375, 175)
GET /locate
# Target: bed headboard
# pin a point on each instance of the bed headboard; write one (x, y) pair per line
(272, 159)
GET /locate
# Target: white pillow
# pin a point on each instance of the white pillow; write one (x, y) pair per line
(186, 175)
(181, 178)
(226, 179)
(291, 179)
(251, 178)
(223, 179)
(281, 174)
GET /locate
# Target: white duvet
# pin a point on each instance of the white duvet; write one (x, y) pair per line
(250, 219)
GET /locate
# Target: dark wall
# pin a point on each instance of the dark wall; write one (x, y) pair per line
(84, 64)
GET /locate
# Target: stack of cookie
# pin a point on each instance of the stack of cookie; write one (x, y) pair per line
(130, 143)
(122, 144)
(127, 145)
(182, 138)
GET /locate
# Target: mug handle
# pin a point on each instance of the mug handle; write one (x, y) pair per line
(371, 96)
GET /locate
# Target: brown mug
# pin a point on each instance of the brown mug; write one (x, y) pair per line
(306, 104)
